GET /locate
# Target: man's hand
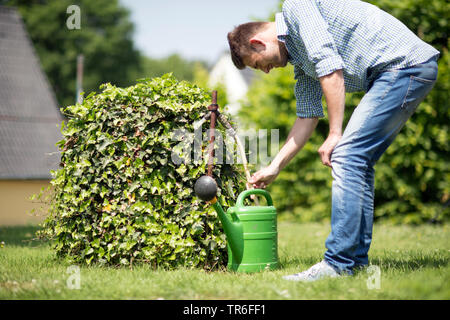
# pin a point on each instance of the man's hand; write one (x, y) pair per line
(299, 134)
(262, 178)
(327, 148)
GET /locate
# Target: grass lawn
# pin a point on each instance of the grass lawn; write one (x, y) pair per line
(413, 264)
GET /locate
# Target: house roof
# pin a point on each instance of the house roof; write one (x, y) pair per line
(29, 116)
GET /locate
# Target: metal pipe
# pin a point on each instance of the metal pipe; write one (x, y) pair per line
(212, 128)
(79, 80)
(215, 115)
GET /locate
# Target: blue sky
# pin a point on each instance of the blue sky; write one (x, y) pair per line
(195, 29)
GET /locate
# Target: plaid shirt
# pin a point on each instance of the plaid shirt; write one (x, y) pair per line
(322, 36)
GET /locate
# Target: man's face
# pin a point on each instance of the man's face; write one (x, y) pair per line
(266, 56)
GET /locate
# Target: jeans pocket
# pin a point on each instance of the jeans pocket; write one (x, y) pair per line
(418, 88)
(393, 75)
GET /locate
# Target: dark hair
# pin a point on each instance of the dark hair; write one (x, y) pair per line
(238, 40)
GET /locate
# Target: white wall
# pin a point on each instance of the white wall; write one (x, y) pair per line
(226, 73)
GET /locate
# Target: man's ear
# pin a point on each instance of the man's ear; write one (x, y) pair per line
(257, 44)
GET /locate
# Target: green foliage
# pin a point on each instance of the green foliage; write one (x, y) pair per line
(428, 19)
(413, 176)
(105, 40)
(119, 197)
(201, 78)
(181, 68)
(412, 179)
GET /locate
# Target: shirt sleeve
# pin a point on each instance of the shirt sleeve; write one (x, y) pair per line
(305, 17)
(308, 94)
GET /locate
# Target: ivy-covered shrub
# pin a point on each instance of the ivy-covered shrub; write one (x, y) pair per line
(119, 196)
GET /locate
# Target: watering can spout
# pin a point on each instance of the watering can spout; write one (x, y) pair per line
(256, 249)
(233, 229)
(206, 189)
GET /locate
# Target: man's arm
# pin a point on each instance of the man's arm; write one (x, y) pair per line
(298, 136)
(334, 90)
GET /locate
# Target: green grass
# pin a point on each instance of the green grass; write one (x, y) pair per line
(413, 263)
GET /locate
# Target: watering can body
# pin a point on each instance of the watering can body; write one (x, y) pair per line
(252, 236)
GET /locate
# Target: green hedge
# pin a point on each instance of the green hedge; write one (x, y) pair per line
(119, 196)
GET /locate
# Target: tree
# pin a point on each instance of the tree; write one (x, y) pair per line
(104, 38)
(412, 179)
(181, 68)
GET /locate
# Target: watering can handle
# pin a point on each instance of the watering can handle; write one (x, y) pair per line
(246, 193)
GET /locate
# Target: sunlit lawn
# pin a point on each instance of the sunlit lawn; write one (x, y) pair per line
(413, 264)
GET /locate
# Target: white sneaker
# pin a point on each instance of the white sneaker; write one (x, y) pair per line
(318, 271)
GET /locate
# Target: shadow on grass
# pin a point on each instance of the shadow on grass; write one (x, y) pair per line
(23, 236)
(408, 262)
(299, 262)
(411, 263)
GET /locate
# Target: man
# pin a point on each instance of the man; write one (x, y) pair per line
(338, 46)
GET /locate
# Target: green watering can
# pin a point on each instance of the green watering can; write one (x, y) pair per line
(251, 230)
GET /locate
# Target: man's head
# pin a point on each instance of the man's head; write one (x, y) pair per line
(255, 44)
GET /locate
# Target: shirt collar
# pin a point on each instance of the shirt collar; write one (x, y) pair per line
(282, 29)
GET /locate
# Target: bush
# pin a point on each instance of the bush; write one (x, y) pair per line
(119, 198)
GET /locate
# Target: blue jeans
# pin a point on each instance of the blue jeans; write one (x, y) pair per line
(392, 98)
